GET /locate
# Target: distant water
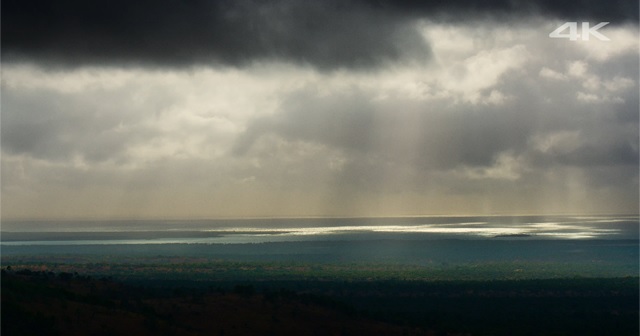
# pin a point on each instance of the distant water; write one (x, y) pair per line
(241, 231)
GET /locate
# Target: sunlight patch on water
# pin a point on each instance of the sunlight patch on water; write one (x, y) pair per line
(462, 229)
(259, 231)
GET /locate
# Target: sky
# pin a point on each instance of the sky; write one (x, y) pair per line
(251, 108)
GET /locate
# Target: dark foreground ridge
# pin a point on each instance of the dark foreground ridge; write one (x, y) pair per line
(65, 303)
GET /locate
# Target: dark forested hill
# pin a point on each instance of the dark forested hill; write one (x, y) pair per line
(65, 303)
(40, 303)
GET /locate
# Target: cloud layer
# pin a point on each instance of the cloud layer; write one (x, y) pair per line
(182, 33)
(326, 35)
(296, 109)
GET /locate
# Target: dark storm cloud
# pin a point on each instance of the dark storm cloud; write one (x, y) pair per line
(324, 34)
(177, 33)
(616, 11)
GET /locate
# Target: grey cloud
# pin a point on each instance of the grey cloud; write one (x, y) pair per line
(58, 127)
(617, 11)
(429, 135)
(342, 121)
(323, 34)
(616, 153)
(382, 146)
(627, 112)
(184, 33)
(438, 135)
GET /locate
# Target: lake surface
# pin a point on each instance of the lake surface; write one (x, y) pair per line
(244, 231)
(549, 246)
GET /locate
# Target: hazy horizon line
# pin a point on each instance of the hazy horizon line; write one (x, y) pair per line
(97, 219)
